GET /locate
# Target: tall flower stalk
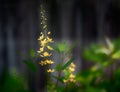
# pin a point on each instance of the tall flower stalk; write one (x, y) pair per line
(65, 68)
(44, 40)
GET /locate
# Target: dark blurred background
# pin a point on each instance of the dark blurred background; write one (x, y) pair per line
(70, 20)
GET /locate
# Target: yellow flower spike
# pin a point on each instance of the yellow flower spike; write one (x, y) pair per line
(44, 40)
(50, 70)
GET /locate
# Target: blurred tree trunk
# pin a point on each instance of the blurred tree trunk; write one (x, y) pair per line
(89, 32)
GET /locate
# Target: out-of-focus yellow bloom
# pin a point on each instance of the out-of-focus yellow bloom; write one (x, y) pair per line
(65, 81)
(69, 80)
(50, 70)
(71, 69)
(71, 77)
(73, 65)
(49, 33)
(72, 80)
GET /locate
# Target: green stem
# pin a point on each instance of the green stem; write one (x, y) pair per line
(60, 71)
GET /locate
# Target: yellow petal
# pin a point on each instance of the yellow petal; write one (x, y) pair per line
(50, 48)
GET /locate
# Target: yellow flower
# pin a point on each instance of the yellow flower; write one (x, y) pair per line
(65, 81)
(49, 33)
(72, 80)
(41, 37)
(72, 65)
(41, 50)
(49, 61)
(50, 48)
(72, 76)
(46, 54)
(43, 42)
(71, 69)
(49, 39)
(50, 70)
(42, 63)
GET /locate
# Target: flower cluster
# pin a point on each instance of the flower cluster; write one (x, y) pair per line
(71, 76)
(45, 40)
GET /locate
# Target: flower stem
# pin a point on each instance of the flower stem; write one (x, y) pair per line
(60, 71)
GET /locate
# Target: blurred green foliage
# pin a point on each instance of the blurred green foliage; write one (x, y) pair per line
(13, 83)
(102, 55)
(93, 79)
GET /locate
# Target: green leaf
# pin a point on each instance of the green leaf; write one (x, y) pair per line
(103, 50)
(32, 53)
(105, 64)
(66, 74)
(85, 77)
(30, 65)
(116, 55)
(116, 43)
(89, 55)
(110, 44)
(62, 46)
(58, 67)
(94, 54)
(67, 64)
